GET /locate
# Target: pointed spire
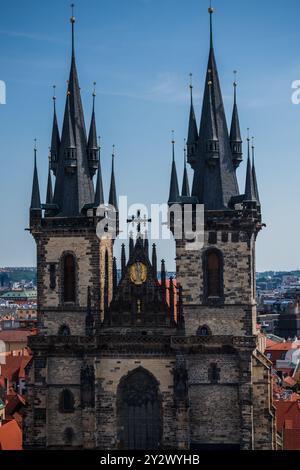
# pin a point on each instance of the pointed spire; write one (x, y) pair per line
(68, 139)
(131, 245)
(123, 260)
(99, 195)
(215, 180)
(235, 132)
(55, 139)
(212, 142)
(112, 192)
(256, 191)
(193, 130)
(174, 187)
(249, 190)
(49, 196)
(74, 187)
(92, 140)
(185, 183)
(154, 261)
(115, 276)
(35, 195)
(146, 244)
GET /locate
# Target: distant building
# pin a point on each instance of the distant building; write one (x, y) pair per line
(19, 297)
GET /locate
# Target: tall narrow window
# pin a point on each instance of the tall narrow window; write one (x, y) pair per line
(66, 402)
(213, 274)
(69, 293)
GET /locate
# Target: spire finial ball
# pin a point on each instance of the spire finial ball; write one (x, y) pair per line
(211, 10)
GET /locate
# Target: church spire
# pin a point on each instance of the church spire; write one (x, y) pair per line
(249, 189)
(212, 141)
(92, 140)
(235, 132)
(215, 181)
(99, 195)
(154, 261)
(256, 191)
(123, 260)
(192, 140)
(174, 187)
(35, 194)
(185, 183)
(49, 195)
(74, 184)
(112, 192)
(55, 139)
(35, 205)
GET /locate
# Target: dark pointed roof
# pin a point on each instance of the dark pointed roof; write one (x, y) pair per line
(235, 131)
(193, 130)
(214, 185)
(92, 140)
(249, 190)
(49, 196)
(185, 183)
(174, 186)
(35, 195)
(73, 189)
(256, 191)
(55, 139)
(112, 191)
(99, 194)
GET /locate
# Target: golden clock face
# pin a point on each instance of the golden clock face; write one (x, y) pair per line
(138, 273)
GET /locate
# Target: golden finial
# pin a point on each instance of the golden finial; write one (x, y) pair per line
(173, 137)
(235, 78)
(72, 19)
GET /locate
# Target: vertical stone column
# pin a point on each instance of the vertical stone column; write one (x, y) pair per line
(181, 402)
(246, 401)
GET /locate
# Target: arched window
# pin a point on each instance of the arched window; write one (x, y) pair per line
(213, 274)
(139, 413)
(66, 402)
(64, 330)
(69, 278)
(68, 435)
(203, 331)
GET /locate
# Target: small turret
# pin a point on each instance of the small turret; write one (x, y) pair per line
(112, 192)
(35, 206)
(192, 142)
(174, 187)
(235, 133)
(93, 159)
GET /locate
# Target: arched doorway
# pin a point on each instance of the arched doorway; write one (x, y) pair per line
(139, 411)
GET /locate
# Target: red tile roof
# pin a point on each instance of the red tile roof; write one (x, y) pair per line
(281, 347)
(15, 336)
(10, 436)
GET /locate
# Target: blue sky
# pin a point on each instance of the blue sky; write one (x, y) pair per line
(140, 53)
